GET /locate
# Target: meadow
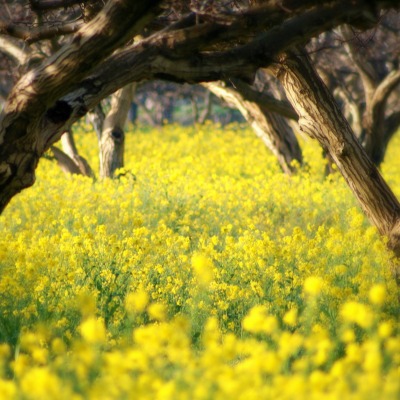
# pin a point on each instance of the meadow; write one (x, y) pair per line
(202, 272)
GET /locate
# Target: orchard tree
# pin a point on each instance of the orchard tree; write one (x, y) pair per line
(362, 70)
(93, 51)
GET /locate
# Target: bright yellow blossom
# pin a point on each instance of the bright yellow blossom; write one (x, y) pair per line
(157, 311)
(259, 321)
(203, 268)
(92, 330)
(377, 294)
(290, 317)
(136, 301)
(313, 285)
(358, 313)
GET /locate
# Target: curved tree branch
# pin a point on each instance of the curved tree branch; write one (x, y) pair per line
(14, 50)
(30, 35)
(385, 88)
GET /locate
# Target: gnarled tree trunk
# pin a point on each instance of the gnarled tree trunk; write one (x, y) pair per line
(113, 136)
(271, 128)
(320, 118)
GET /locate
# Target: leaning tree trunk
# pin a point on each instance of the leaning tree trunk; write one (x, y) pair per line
(271, 128)
(112, 139)
(320, 118)
(69, 160)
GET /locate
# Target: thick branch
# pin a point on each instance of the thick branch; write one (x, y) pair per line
(272, 104)
(13, 49)
(34, 117)
(93, 42)
(173, 58)
(385, 88)
(30, 35)
(366, 70)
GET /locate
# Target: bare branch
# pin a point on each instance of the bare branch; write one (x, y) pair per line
(14, 49)
(386, 87)
(43, 5)
(280, 107)
(31, 35)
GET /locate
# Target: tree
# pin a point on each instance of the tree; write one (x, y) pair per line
(270, 127)
(362, 70)
(320, 118)
(133, 40)
(112, 137)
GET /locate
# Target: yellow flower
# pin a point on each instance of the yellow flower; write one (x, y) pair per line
(377, 294)
(92, 330)
(203, 269)
(385, 329)
(8, 389)
(290, 317)
(58, 346)
(348, 336)
(358, 313)
(136, 302)
(41, 384)
(313, 285)
(157, 311)
(258, 321)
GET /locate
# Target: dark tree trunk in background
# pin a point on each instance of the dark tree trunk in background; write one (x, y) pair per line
(271, 128)
(379, 123)
(112, 141)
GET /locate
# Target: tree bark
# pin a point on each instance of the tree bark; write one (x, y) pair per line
(377, 91)
(271, 128)
(34, 116)
(320, 118)
(65, 162)
(69, 148)
(96, 117)
(113, 136)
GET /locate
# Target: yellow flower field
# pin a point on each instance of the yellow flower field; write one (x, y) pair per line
(202, 272)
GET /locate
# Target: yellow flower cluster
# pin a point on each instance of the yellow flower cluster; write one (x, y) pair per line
(202, 272)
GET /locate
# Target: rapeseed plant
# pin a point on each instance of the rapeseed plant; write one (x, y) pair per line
(202, 272)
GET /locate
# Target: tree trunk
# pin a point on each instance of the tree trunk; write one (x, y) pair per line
(68, 159)
(377, 90)
(65, 162)
(113, 136)
(195, 109)
(205, 114)
(320, 118)
(96, 117)
(271, 128)
(69, 148)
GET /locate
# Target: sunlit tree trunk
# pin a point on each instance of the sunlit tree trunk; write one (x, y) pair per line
(112, 139)
(321, 119)
(270, 127)
(69, 159)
